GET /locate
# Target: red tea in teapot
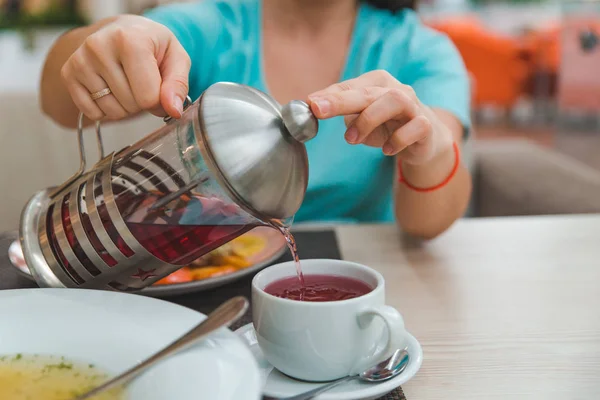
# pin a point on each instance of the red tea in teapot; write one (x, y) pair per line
(177, 233)
(185, 229)
(168, 232)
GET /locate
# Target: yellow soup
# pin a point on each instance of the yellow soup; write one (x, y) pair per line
(24, 377)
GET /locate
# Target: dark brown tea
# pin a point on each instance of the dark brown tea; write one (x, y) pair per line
(318, 288)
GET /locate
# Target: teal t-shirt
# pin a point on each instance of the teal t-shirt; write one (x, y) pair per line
(346, 183)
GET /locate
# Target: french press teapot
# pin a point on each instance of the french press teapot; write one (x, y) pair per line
(233, 161)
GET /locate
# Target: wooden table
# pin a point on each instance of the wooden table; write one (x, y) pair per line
(504, 308)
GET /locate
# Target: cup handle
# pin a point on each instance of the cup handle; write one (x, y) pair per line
(396, 332)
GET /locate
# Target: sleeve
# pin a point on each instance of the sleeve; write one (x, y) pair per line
(198, 28)
(436, 71)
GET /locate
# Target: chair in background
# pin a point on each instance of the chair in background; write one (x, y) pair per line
(499, 65)
(543, 45)
(517, 177)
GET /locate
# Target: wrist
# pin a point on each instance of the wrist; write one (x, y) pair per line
(433, 174)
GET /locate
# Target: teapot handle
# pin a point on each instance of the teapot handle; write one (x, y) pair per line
(82, 158)
(188, 102)
(99, 143)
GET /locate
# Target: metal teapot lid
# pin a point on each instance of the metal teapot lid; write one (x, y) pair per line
(257, 147)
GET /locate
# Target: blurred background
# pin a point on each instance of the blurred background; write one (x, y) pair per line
(536, 100)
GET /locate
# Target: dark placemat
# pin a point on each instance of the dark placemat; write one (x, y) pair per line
(9, 277)
(311, 244)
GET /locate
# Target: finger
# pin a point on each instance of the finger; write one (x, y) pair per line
(112, 108)
(108, 67)
(121, 89)
(143, 75)
(412, 132)
(158, 112)
(393, 105)
(97, 58)
(379, 78)
(344, 103)
(104, 56)
(175, 72)
(108, 104)
(83, 101)
(349, 119)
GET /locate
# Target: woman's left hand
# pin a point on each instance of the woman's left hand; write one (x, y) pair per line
(381, 112)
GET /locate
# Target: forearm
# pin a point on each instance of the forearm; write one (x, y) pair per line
(55, 99)
(427, 214)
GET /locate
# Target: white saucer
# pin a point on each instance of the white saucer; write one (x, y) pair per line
(277, 385)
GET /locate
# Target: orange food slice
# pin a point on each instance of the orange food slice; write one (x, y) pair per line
(248, 245)
(236, 261)
(180, 276)
(199, 274)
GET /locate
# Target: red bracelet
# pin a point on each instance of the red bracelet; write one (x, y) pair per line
(401, 178)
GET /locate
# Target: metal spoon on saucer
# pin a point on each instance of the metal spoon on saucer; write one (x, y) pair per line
(224, 315)
(383, 371)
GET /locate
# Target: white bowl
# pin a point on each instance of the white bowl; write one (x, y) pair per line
(114, 331)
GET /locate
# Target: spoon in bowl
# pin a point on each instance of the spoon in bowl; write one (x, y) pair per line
(383, 371)
(224, 315)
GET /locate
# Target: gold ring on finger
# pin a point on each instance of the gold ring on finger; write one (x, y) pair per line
(100, 94)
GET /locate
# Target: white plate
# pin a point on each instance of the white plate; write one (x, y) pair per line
(114, 331)
(275, 384)
(274, 249)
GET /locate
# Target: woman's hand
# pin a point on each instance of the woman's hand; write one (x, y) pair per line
(381, 112)
(141, 62)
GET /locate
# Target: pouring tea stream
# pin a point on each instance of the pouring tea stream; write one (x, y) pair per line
(235, 160)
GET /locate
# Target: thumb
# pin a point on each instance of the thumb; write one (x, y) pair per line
(175, 70)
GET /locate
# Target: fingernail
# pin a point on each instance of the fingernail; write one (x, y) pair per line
(388, 149)
(323, 106)
(178, 103)
(352, 135)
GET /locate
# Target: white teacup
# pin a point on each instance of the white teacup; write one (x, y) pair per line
(323, 341)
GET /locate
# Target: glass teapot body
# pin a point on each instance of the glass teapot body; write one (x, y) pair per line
(142, 213)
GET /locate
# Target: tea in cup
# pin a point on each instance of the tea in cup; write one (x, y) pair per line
(336, 325)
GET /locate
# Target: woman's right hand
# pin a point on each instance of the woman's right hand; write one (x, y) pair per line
(142, 63)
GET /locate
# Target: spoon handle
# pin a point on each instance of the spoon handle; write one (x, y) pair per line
(224, 315)
(311, 394)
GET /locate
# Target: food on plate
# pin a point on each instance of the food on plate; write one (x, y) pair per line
(35, 377)
(211, 272)
(230, 257)
(181, 275)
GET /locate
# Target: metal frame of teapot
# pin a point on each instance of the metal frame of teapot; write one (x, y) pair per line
(235, 140)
